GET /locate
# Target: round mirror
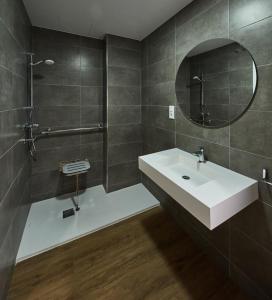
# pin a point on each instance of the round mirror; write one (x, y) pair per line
(216, 83)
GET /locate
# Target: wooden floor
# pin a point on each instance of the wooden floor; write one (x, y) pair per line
(145, 257)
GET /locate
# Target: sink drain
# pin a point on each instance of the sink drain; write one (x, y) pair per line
(186, 177)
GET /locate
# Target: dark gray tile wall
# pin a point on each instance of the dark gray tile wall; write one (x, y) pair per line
(14, 162)
(124, 135)
(242, 246)
(68, 94)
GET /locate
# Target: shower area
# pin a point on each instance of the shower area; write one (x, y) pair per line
(83, 137)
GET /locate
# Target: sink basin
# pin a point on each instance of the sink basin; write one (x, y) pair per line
(211, 193)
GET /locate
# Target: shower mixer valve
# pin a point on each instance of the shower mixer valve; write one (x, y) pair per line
(31, 125)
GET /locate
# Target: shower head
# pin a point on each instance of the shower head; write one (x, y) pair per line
(48, 62)
(197, 78)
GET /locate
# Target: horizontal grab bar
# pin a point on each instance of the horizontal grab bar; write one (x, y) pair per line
(267, 182)
(264, 175)
(49, 131)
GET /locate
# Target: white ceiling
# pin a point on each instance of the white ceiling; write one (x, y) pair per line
(127, 18)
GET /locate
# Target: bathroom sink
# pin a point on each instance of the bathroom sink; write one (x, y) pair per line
(211, 193)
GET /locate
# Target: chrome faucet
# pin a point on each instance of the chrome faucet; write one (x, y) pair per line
(200, 155)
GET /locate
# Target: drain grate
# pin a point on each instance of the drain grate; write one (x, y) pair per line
(68, 213)
(186, 177)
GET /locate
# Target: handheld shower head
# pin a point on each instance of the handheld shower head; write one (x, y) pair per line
(197, 78)
(48, 62)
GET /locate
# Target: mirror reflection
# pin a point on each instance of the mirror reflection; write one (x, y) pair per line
(216, 83)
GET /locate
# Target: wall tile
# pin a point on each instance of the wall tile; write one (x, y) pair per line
(118, 76)
(121, 153)
(184, 126)
(11, 203)
(91, 115)
(7, 262)
(245, 12)
(257, 44)
(56, 74)
(262, 100)
(91, 58)
(159, 94)
(211, 24)
(11, 56)
(56, 95)
(93, 152)
(93, 177)
(10, 131)
(157, 116)
(118, 57)
(194, 9)
(124, 133)
(58, 141)
(6, 163)
(124, 95)
(124, 115)
(42, 36)
(94, 137)
(252, 165)
(121, 174)
(57, 117)
(255, 261)
(15, 18)
(124, 43)
(6, 87)
(258, 125)
(249, 164)
(161, 48)
(14, 194)
(163, 71)
(60, 53)
(247, 284)
(261, 229)
(91, 76)
(91, 95)
(157, 139)
(88, 42)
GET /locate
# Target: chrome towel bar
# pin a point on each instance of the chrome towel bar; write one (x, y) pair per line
(49, 131)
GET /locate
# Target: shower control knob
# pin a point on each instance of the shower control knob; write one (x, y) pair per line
(30, 125)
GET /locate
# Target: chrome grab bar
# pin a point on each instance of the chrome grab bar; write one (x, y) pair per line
(49, 131)
(267, 182)
(264, 177)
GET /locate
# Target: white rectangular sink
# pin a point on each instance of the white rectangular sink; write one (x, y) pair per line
(212, 194)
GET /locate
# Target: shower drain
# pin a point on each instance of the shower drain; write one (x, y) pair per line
(186, 177)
